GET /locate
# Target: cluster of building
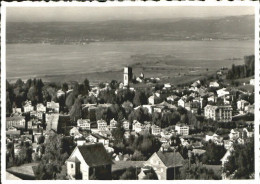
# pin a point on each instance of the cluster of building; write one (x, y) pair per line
(93, 137)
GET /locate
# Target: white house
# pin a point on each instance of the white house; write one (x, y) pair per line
(181, 103)
(212, 136)
(113, 123)
(214, 84)
(241, 104)
(102, 125)
(28, 106)
(40, 108)
(252, 82)
(155, 130)
(167, 85)
(222, 92)
(182, 129)
(84, 124)
(39, 115)
(218, 113)
(196, 83)
(212, 99)
(137, 126)
(96, 138)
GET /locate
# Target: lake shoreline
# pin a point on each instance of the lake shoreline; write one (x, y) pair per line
(181, 75)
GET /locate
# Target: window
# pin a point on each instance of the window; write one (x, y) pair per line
(71, 165)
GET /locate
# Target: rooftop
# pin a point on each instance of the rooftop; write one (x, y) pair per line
(95, 155)
(171, 159)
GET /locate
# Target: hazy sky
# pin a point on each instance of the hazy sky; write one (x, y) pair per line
(36, 14)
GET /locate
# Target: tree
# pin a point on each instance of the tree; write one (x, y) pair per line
(107, 96)
(118, 133)
(124, 95)
(141, 115)
(19, 83)
(64, 87)
(8, 105)
(70, 100)
(140, 98)
(128, 107)
(129, 174)
(147, 144)
(198, 172)
(151, 175)
(114, 84)
(175, 140)
(75, 91)
(138, 156)
(241, 164)
(101, 113)
(28, 83)
(32, 95)
(57, 150)
(76, 110)
(101, 85)
(213, 153)
(25, 154)
(41, 139)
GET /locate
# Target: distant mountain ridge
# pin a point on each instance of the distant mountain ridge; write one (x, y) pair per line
(234, 27)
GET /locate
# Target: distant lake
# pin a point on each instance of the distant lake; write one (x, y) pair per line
(29, 60)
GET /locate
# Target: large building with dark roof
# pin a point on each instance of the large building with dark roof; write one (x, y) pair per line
(89, 161)
(166, 164)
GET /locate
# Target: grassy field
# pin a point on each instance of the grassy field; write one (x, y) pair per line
(165, 70)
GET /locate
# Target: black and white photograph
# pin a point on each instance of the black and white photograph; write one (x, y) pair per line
(129, 91)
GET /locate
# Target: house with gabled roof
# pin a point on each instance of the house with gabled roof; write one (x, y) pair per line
(214, 84)
(84, 124)
(181, 103)
(137, 126)
(40, 108)
(165, 164)
(112, 124)
(102, 125)
(88, 162)
(155, 130)
(241, 104)
(97, 138)
(28, 107)
(16, 121)
(13, 132)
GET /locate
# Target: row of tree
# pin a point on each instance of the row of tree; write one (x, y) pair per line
(242, 71)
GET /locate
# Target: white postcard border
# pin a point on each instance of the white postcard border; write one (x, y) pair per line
(130, 4)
